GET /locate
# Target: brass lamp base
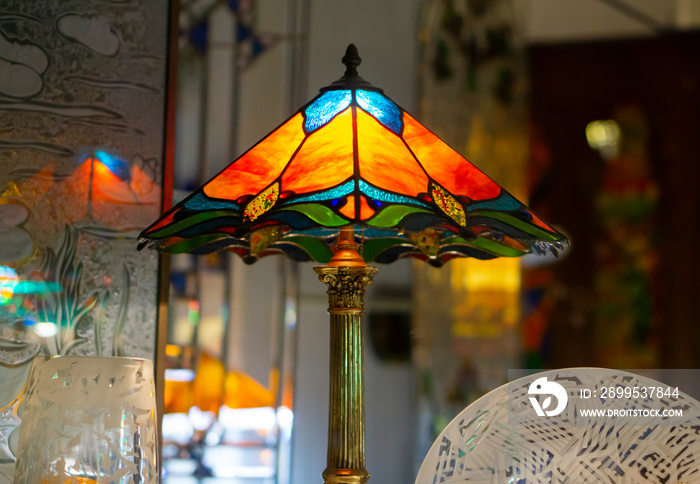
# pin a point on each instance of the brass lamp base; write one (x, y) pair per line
(345, 476)
(346, 411)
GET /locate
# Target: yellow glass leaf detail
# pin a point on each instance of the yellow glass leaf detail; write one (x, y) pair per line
(448, 204)
(427, 241)
(261, 238)
(262, 202)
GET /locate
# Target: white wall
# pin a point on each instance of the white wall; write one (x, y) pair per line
(385, 33)
(547, 21)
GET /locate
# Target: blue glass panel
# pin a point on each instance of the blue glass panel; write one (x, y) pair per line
(337, 192)
(505, 203)
(367, 232)
(382, 108)
(312, 232)
(383, 196)
(321, 111)
(200, 202)
(372, 233)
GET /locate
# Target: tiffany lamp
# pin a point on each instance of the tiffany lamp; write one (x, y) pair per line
(351, 178)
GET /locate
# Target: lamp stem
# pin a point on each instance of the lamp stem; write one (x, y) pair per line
(346, 412)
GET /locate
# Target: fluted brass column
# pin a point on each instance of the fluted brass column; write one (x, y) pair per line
(346, 276)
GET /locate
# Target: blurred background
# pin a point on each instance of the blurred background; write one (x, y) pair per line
(589, 110)
(586, 110)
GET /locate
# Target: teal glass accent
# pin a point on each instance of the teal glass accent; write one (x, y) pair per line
(337, 192)
(320, 214)
(384, 196)
(374, 233)
(381, 108)
(505, 202)
(323, 109)
(200, 202)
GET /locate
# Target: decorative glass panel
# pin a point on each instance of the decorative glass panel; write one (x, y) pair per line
(82, 102)
(382, 108)
(321, 111)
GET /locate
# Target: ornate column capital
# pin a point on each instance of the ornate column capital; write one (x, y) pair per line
(346, 285)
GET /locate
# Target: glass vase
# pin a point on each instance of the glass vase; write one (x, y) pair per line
(88, 420)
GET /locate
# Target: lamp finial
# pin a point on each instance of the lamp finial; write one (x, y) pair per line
(351, 80)
(351, 59)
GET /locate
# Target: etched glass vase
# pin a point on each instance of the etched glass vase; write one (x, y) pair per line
(88, 420)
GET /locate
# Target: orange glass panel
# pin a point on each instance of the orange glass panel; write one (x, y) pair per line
(257, 168)
(445, 165)
(209, 384)
(365, 210)
(349, 208)
(242, 391)
(165, 220)
(325, 160)
(178, 396)
(384, 159)
(538, 221)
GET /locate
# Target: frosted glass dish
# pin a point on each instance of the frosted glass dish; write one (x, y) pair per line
(500, 439)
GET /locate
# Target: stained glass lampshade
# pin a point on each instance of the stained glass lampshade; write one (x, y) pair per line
(352, 157)
(351, 168)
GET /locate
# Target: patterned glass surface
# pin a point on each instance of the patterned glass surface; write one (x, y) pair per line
(201, 202)
(382, 108)
(82, 103)
(325, 107)
(385, 161)
(445, 165)
(258, 167)
(484, 444)
(505, 202)
(385, 196)
(353, 157)
(330, 194)
(324, 160)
